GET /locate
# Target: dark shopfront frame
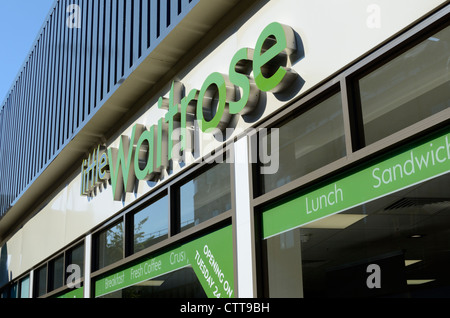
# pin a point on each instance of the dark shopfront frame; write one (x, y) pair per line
(343, 80)
(175, 235)
(346, 81)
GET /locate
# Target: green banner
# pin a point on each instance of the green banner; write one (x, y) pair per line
(210, 256)
(73, 293)
(411, 165)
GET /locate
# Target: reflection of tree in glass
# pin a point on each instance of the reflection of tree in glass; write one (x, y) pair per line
(139, 235)
(114, 243)
(147, 233)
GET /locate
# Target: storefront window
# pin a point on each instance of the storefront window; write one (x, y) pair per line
(75, 256)
(409, 88)
(307, 142)
(57, 272)
(40, 285)
(181, 283)
(110, 245)
(14, 291)
(395, 246)
(25, 287)
(205, 196)
(151, 224)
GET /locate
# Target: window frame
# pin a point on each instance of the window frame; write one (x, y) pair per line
(171, 189)
(357, 150)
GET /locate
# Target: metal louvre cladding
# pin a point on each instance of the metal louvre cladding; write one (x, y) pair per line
(73, 66)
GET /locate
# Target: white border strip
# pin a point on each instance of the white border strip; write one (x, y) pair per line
(245, 273)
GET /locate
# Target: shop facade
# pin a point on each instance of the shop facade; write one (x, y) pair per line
(295, 150)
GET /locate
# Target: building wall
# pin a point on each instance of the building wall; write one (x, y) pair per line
(330, 36)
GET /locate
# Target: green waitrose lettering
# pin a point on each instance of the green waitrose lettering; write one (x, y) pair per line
(130, 160)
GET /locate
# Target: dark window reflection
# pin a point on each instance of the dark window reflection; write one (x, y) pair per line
(110, 245)
(151, 225)
(307, 142)
(205, 196)
(409, 88)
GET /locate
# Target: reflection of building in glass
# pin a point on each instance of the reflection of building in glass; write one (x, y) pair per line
(211, 194)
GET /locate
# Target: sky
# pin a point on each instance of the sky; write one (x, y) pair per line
(20, 22)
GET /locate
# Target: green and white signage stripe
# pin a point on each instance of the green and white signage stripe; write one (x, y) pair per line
(408, 166)
(73, 293)
(210, 256)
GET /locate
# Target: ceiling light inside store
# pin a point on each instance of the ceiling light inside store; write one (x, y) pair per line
(151, 283)
(336, 221)
(411, 261)
(418, 281)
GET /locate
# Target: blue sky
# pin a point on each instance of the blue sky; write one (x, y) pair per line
(20, 22)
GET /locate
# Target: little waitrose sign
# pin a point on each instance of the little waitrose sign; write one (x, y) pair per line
(147, 152)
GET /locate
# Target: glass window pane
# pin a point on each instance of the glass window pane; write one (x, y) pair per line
(75, 256)
(182, 283)
(409, 88)
(57, 272)
(14, 291)
(110, 245)
(205, 196)
(25, 287)
(306, 143)
(397, 246)
(41, 281)
(151, 224)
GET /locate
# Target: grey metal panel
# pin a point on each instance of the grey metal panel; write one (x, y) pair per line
(74, 76)
(55, 88)
(13, 137)
(113, 46)
(63, 76)
(48, 95)
(94, 57)
(101, 52)
(106, 49)
(46, 103)
(16, 137)
(29, 116)
(88, 52)
(128, 35)
(162, 12)
(34, 117)
(82, 81)
(88, 78)
(77, 72)
(5, 153)
(154, 21)
(137, 18)
(69, 84)
(144, 28)
(2, 198)
(68, 74)
(119, 39)
(60, 50)
(30, 95)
